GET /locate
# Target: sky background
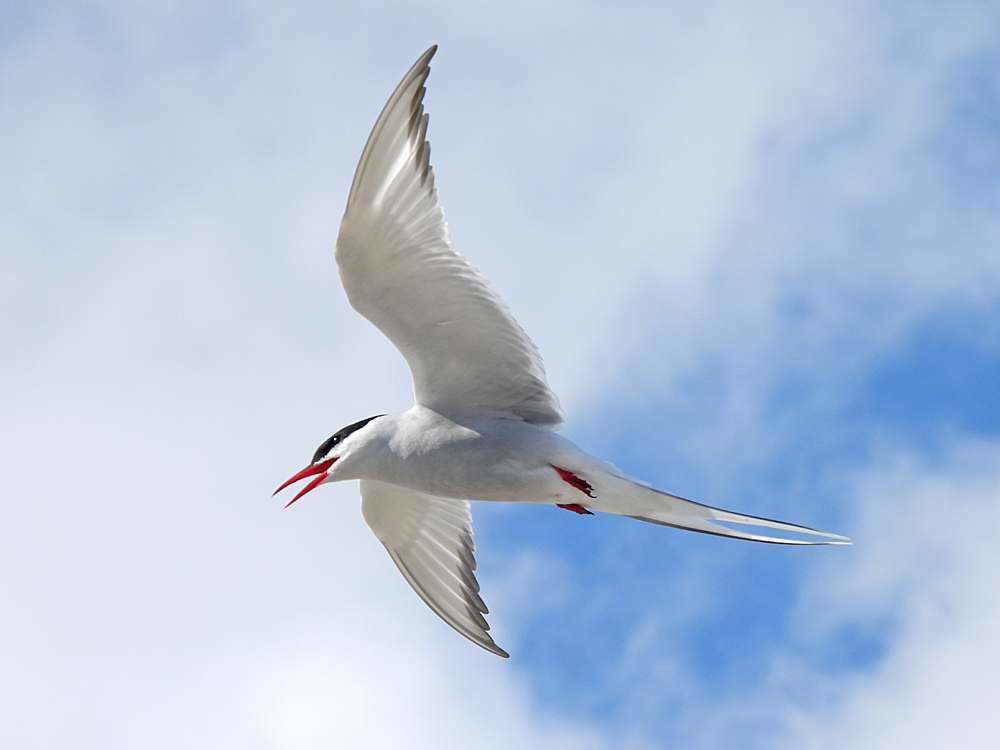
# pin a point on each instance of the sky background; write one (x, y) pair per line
(758, 245)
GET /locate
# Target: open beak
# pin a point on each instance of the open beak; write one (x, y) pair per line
(320, 468)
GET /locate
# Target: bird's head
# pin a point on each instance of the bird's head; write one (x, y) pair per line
(329, 451)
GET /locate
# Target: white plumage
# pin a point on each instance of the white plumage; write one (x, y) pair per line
(484, 420)
(467, 354)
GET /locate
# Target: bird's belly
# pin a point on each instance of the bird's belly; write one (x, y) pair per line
(488, 459)
(477, 472)
(473, 478)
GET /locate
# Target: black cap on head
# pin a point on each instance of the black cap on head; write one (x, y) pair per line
(339, 435)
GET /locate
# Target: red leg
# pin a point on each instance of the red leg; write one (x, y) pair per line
(575, 508)
(572, 479)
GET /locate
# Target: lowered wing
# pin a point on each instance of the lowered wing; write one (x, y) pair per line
(430, 540)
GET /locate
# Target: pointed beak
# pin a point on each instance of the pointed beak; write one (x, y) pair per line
(320, 468)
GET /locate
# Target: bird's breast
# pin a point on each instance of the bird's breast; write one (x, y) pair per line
(498, 460)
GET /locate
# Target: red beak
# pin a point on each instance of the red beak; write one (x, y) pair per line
(320, 468)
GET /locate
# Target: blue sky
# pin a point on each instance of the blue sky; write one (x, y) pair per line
(758, 245)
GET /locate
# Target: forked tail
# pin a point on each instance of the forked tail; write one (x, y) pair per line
(629, 497)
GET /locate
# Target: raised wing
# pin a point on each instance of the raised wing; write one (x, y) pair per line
(467, 354)
(430, 540)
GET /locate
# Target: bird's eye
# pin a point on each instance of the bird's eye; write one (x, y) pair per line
(336, 437)
(325, 448)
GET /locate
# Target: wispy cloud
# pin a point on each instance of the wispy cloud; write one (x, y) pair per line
(926, 564)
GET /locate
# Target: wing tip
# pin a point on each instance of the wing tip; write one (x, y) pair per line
(414, 79)
(421, 68)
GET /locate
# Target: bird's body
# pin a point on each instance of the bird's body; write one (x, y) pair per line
(483, 427)
(473, 459)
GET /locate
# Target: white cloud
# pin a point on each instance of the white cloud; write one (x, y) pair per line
(926, 559)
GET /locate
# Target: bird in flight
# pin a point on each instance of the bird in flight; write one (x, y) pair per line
(484, 423)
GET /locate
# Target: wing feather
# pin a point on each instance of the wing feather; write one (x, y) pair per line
(467, 354)
(430, 540)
